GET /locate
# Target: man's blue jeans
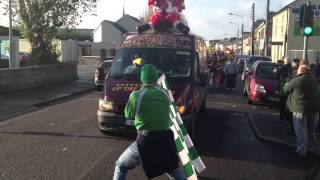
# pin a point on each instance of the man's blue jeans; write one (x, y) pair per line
(305, 125)
(130, 159)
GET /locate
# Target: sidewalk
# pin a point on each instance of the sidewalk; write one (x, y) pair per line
(16, 103)
(269, 128)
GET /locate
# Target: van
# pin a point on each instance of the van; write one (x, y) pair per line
(182, 58)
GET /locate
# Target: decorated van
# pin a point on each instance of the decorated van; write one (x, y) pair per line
(182, 58)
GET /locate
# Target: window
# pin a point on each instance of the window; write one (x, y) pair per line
(85, 50)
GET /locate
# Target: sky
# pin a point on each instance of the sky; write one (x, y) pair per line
(207, 18)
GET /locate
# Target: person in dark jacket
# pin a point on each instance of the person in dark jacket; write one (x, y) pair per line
(285, 76)
(303, 102)
(154, 147)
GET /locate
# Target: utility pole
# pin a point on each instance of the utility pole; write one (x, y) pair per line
(252, 30)
(11, 45)
(266, 32)
(242, 38)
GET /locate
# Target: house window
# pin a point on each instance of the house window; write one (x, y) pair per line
(283, 24)
(86, 51)
(276, 27)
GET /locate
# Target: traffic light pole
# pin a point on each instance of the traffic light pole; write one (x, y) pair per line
(307, 27)
(305, 48)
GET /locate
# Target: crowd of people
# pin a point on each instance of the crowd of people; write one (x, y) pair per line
(223, 67)
(299, 96)
(299, 102)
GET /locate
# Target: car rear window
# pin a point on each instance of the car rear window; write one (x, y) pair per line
(252, 60)
(268, 71)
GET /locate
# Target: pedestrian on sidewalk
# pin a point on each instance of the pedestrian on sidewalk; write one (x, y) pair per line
(154, 147)
(303, 102)
(213, 70)
(231, 72)
(285, 76)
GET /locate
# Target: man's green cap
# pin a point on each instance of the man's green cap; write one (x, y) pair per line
(148, 74)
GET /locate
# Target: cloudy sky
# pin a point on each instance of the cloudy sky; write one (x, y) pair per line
(207, 18)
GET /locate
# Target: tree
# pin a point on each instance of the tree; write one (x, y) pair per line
(40, 20)
(66, 34)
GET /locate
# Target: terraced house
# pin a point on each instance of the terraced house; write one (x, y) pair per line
(287, 39)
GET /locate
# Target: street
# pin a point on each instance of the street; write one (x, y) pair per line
(63, 141)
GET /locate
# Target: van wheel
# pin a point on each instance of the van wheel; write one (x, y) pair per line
(192, 129)
(99, 87)
(244, 91)
(249, 101)
(203, 107)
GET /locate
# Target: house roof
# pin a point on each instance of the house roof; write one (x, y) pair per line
(4, 31)
(117, 26)
(134, 18)
(286, 7)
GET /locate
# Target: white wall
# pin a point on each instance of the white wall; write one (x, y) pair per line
(110, 36)
(97, 35)
(69, 51)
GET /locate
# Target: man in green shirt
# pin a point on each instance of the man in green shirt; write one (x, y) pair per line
(154, 147)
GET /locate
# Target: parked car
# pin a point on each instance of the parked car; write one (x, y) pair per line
(249, 63)
(241, 60)
(4, 57)
(182, 58)
(101, 72)
(261, 85)
(23, 56)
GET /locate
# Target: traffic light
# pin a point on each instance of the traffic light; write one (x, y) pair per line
(306, 19)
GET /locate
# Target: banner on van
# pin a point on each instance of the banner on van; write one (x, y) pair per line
(157, 41)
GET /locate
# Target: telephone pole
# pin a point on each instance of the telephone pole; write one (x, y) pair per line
(266, 32)
(11, 46)
(252, 30)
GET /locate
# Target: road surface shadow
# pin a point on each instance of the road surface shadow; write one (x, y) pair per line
(54, 134)
(227, 134)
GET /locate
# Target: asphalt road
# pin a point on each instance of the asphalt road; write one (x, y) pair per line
(63, 142)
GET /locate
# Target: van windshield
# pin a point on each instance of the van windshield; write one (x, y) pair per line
(173, 63)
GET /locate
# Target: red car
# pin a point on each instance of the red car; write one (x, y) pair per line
(261, 84)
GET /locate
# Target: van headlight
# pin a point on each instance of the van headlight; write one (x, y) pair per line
(106, 105)
(260, 88)
(182, 109)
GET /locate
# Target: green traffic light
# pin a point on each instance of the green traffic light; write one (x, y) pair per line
(308, 30)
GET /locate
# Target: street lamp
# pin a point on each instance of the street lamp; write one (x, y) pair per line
(242, 26)
(237, 27)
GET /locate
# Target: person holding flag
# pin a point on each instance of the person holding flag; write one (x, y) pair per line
(154, 147)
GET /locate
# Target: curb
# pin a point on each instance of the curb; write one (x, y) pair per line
(266, 138)
(17, 114)
(61, 97)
